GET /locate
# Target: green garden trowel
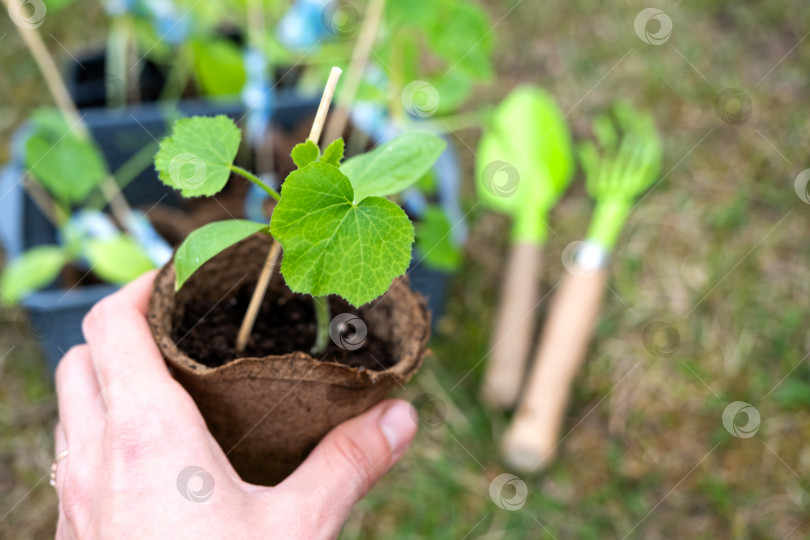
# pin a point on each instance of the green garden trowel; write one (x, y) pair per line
(524, 164)
(626, 164)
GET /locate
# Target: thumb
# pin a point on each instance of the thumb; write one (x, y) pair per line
(353, 457)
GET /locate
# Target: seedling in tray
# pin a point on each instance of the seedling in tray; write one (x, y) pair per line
(338, 231)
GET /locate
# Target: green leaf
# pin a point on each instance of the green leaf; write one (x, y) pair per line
(66, 165)
(305, 153)
(31, 271)
(393, 166)
(333, 245)
(207, 241)
(453, 90)
(117, 260)
(197, 157)
(462, 35)
(219, 67)
(334, 152)
(434, 241)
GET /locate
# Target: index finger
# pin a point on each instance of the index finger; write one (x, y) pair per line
(125, 357)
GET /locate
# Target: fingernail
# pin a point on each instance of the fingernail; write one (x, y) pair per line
(397, 423)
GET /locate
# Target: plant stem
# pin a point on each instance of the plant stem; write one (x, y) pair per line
(178, 76)
(126, 173)
(323, 319)
(256, 180)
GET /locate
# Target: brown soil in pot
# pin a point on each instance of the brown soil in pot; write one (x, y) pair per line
(268, 410)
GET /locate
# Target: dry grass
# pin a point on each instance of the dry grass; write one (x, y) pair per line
(717, 250)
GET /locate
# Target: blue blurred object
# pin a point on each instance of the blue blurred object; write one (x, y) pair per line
(85, 225)
(257, 95)
(118, 7)
(170, 25)
(302, 26)
(255, 199)
(140, 228)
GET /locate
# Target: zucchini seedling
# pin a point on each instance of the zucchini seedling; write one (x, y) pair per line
(338, 231)
(67, 169)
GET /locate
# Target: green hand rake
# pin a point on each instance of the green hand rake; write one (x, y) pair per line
(623, 169)
(524, 164)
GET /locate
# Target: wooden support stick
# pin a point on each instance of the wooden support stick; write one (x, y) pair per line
(360, 54)
(50, 73)
(323, 108)
(258, 297)
(44, 202)
(270, 263)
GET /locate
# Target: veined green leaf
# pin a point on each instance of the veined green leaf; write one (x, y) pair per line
(117, 260)
(393, 166)
(67, 166)
(31, 271)
(333, 245)
(197, 157)
(207, 241)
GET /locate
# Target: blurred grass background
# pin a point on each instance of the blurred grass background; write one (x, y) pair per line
(718, 250)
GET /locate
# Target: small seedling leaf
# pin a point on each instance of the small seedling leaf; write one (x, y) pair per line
(393, 166)
(305, 153)
(333, 245)
(207, 241)
(333, 153)
(117, 260)
(66, 165)
(31, 271)
(197, 157)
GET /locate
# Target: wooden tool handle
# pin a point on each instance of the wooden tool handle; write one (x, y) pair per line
(514, 325)
(531, 440)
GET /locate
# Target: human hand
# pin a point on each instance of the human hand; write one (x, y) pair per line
(133, 433)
